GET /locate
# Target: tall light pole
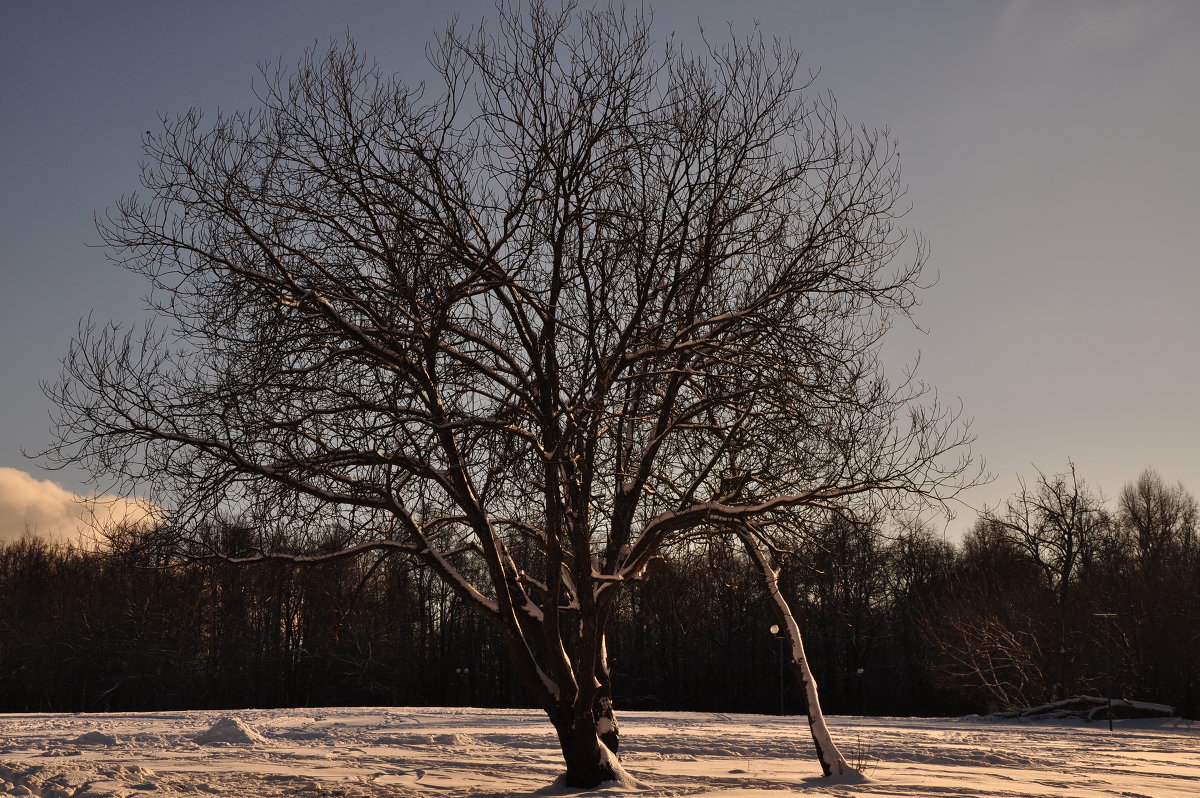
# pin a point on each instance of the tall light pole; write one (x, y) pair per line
(464, 687)
(1111, 616)
(783, 642)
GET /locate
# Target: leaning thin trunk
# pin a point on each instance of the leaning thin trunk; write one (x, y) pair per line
(832, 761)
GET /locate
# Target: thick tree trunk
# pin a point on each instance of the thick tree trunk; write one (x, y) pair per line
(589, 762)
(606, 723)
(606, 719)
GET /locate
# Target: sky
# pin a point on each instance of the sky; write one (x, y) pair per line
(1049, 147)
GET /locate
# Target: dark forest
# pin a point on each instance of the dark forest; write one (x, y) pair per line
(1029, 608)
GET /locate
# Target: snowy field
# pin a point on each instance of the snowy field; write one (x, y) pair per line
(477, 752)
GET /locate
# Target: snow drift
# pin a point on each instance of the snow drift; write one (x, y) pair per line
(487, 753)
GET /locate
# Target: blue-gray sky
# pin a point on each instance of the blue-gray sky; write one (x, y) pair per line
(1050, 148)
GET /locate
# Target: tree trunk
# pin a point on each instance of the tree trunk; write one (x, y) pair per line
(589, 761)
(831, 759)
(606, 719)
(606, 723)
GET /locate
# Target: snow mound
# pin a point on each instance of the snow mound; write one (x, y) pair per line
(41, 780)
(95, 738)
(453, 739)
(230, 730)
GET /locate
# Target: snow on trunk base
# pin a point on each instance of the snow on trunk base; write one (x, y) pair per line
(624, 779)
(230, 730)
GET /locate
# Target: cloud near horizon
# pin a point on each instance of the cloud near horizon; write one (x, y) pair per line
(47, 509)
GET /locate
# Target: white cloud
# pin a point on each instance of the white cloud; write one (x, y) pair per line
(48, 509)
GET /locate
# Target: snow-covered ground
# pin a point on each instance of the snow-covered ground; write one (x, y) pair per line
(481, 752)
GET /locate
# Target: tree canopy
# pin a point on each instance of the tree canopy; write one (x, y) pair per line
(579, 297)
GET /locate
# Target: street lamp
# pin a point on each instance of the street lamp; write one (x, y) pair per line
(463, 685)
(783, 642)
(1111, 616)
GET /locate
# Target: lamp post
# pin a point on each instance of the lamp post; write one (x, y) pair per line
(1111, 616)
(464, 687)
(783, 642)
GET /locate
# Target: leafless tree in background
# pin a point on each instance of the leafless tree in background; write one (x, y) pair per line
(992, 628)
(529, 323)
(1155, 596)
(1058, 522)
(1161, 519)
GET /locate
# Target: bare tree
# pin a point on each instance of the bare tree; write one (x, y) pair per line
(524, 325)
(990, 630)
(1160, 518)
(1157, 623)
(1056, 522)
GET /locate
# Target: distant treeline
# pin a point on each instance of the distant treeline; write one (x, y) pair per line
(1054, 595)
